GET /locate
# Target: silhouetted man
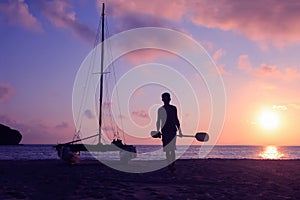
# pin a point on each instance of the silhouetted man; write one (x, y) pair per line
(168, 121)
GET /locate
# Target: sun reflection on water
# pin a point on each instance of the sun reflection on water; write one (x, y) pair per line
(271, 152)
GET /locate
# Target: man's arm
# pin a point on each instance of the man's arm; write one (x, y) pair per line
(178, 124)
(180, 132)
(158, 120)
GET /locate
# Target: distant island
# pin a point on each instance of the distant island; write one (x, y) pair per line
(9, 136)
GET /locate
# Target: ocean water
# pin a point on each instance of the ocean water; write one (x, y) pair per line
(155, 152)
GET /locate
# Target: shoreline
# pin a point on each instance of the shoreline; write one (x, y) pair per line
(184, 159)
(36, 152)
(159, 144)
(193, 179)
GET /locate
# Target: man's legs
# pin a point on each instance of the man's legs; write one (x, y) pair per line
(170, 145)
(172, 156)
(171, 159)
(168, 156)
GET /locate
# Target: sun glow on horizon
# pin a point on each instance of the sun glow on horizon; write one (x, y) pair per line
(269, 120)
(271, 152)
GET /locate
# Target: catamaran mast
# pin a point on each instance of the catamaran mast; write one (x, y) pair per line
(101, 75)
(68, 151)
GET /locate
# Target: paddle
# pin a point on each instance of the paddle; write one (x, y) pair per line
(200, 136)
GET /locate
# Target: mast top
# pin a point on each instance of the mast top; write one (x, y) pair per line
(103, 8)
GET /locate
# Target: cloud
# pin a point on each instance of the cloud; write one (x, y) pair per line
(221, 67)
(244, 63)
(270, 22)
(17, 13)
(62, 125)
(152, 53)
(145, 55)
(139, 92)
(269, 70)
(218, 54)
(266, 71)
(61, 15)
(108, 128)
(207, 45)
(269, 87)
(134, 15)
(292, 73)
(107, 105)
(285, 107)
(143, 13)
(141, 114)
(6, 92)
(122, 116)
(7, 120)
(37, 132)
(132, 21)
(89, 114)
(294, 106)
(279, 107)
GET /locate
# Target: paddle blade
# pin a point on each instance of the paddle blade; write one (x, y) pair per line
(202, 136)
(155, 134)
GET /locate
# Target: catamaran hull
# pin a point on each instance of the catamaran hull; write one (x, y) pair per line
(70, 152)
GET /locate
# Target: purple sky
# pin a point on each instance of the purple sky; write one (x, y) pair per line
(255, 45)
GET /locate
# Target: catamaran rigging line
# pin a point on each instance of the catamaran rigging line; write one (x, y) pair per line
(68, 151)
(108, 54)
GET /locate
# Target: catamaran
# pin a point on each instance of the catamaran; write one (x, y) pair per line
(69, 151)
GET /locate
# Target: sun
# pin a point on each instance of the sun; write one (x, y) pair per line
(269, 120)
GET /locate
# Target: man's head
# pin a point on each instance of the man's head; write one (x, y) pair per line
(166, 98)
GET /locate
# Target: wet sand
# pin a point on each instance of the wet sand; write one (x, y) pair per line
(193, 179)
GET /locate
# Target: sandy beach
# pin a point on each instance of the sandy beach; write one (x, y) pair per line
(193, 179)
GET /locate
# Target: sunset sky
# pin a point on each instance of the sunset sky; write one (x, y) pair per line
(255, 45)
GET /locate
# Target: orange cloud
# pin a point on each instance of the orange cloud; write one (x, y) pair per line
(221, 67)
(139, 92)
(207, 45)
(244, 63)
(143, 13)
(273, 22)
(268, 70)
(285, 107)
(169, 10)
(264, 70)
(292, 73)
(218, 54)
(280, 107)
(270, 22)
(294, 106)
(144, 56)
